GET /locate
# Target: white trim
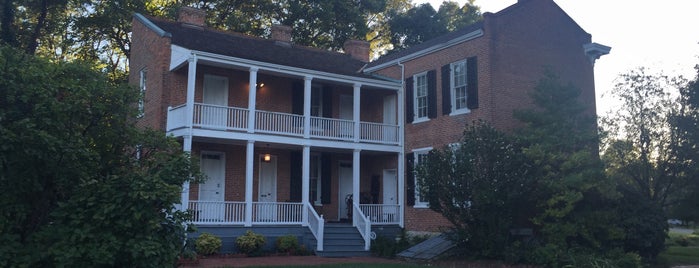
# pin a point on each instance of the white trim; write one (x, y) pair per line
(452, 88)
(466, 37)
(276, 68)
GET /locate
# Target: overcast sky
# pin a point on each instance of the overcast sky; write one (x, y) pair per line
(659, 35)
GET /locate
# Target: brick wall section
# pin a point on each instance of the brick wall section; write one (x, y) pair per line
(518, 43)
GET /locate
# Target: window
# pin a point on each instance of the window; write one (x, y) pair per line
(315, 179)
(142, 97)
(421, 104)
(420, 156)
(459, 87)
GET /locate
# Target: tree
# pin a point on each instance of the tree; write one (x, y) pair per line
(481, 186)
(82, 186)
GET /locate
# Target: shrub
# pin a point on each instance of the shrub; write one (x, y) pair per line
(188, 250)
(250, 243)
(287, 244)
(208, 244)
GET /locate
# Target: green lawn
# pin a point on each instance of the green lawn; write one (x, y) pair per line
(681, 249)
(352, 265)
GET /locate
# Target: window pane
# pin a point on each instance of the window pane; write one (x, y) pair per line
(421, 96)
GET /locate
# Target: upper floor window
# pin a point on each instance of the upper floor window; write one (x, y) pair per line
(421, 96)
(142, 90)
(458, 86)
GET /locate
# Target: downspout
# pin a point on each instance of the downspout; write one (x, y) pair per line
(401, 154)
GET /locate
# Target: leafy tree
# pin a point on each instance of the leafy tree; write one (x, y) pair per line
(83, 186)
(481, 186)
(560, 140)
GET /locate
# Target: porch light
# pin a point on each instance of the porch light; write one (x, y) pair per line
(267, 158)
(260, 85)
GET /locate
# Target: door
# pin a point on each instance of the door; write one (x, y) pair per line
(389, 118)
(390, 194)
(267, 208)
(215, 114)
(346, 107)
(211, 192)
(345, 190)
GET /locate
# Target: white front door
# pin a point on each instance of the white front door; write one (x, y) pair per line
(346, 107)
(211, 192)
(345, 190)
(390, 194)
(216, 94)
(267, 208)
(389, 118)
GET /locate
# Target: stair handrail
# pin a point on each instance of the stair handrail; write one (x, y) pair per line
(363, 225)
(316, 224)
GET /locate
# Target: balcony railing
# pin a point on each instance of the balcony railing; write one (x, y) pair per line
(215, 212)
(224, 118)
(382, 213)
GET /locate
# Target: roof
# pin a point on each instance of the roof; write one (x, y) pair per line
(258, 49)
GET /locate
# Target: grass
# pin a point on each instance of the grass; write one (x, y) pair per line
(352, 265)
(682, 249)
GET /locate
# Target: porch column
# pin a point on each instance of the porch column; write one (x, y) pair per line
(355, 111)
(306, 180)
(191, 83)
(252, 92)
(401, 188)
(249, 164)
(355, 176)
(307, 107)
(187, 147)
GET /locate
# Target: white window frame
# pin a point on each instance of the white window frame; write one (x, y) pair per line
(417, 153)
(142, 84)
(416, 108)
(453, 85)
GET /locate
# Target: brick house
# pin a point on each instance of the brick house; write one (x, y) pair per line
(297, 140)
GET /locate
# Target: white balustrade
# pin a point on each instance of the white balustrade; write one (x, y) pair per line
(279, 123)
(363, 225)
(316, 224)
(337, 129)
(216, 212)
(277, 213)
(176, 117)
(382, 213)
(220, 117)
(376, 132)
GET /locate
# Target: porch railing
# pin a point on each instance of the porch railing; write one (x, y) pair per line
(277, 213)
(279, 123)
(214, 116)
(382, 213)
(236, 119)
(363, 225)
(316, 224)
(340, 129)
(373, 132)
(217, 212)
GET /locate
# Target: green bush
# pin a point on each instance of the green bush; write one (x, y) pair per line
(250, 243)
(287, 244)
(208, 244)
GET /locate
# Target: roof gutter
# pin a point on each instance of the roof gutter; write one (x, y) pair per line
(150, 25)
(469, 36)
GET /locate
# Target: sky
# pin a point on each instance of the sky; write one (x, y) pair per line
(661, 36)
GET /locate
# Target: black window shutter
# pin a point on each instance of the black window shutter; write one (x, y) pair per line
(327, 102)
(410, 179)
(472, 83)
(432, 94)
(295, 172)
(409, 110)
(446, 89)
(297, 98)
(325, 181)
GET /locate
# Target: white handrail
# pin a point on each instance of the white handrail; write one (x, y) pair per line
(279, 123)
(229, 212)
(316, 224)
(333, 128)
(377, 132)
(363, 225)
(277, 213)
(382, 213)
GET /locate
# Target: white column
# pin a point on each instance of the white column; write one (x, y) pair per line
(401, 187)
(252, 92)
(355, 176)
(249, 164)
(306, 180)
(307, 106)
(355, 111)
(187, 147)
(191, 83)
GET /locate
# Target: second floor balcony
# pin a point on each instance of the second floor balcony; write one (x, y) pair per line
(236, 119)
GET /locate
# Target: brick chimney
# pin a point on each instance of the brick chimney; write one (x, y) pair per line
(192, 16)
(357, 49)
(281, 33)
